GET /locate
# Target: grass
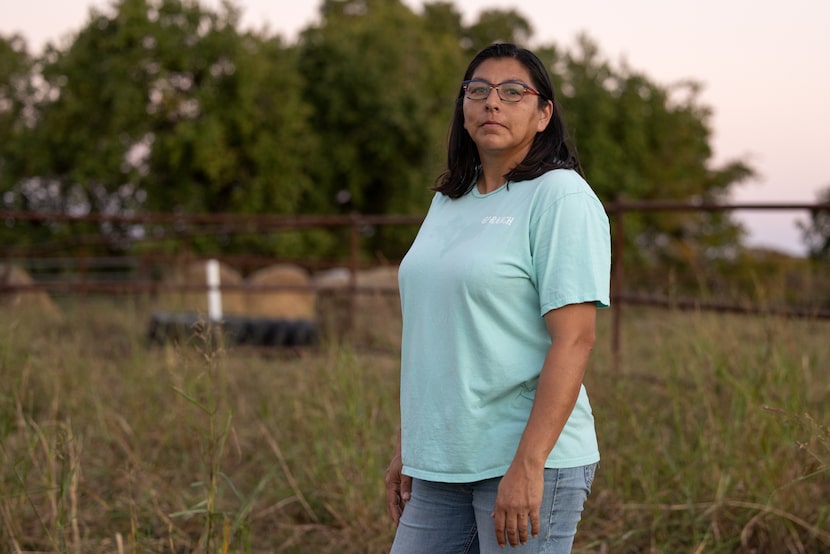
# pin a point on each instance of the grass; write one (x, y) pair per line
(714, 438)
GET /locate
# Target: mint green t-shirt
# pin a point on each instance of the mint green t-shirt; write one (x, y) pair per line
(480, 275)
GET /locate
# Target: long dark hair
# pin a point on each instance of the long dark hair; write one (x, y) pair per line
(551, 148)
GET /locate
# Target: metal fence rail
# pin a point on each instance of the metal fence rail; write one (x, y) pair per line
(619, 297)
(87, 276)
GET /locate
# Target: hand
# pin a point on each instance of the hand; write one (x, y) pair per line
(519, 498)
(398, 489)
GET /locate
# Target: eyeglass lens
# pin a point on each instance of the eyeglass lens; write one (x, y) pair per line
(508, 92)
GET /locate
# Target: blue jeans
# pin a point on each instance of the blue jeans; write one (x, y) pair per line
(454, 518)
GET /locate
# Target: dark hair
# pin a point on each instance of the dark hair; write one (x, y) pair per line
(551, 148)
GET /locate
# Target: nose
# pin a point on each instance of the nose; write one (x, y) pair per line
(493, 99)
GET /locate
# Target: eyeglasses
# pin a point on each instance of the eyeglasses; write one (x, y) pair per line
(508, 91)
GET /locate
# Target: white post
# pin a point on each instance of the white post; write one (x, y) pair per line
(213, 293)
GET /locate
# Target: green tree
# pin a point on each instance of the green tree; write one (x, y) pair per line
(643, 141)
(17, 96)
(165, 106)
(381, 83)
(15, 91)
(496, 25)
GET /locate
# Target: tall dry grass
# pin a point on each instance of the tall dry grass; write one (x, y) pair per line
(714, 438)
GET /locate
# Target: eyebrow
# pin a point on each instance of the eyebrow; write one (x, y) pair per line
(511, 80)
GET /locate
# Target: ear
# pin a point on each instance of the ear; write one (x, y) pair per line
(545, 115)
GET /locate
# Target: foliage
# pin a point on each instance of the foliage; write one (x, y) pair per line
(496, 25)
(164, 105)
(639, 140)
(378, 84)
(15, 91)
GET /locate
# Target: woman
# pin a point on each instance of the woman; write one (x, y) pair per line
(499, 293)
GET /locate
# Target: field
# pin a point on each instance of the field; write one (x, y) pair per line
(714, 436)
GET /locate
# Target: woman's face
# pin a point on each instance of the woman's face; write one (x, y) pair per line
(499, 128)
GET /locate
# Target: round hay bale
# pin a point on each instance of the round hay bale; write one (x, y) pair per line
(331, 279)
(378, 314)
(291, 303)
(195, 300)
(29, 299)
(379, 278)
(377, 308)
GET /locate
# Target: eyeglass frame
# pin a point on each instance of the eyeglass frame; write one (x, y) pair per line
(527, 89)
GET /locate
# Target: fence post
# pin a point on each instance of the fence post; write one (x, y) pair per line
(84, 268)
(354, 254)
(214, 293)
(617, 282)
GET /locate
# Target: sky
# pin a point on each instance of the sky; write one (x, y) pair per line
(764, 66)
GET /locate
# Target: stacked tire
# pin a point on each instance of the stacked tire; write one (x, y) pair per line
(249, 331)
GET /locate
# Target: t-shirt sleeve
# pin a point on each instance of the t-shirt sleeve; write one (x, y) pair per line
(571, 243)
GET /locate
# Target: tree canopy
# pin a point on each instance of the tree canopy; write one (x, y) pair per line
(166, 105)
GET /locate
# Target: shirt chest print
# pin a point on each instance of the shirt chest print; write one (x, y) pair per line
(497, 220)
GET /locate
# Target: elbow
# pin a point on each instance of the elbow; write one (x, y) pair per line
(585, 341)
(582, 341)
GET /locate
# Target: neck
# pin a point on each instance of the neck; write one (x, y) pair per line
(488, 183)
(495, 165)
(492, 174)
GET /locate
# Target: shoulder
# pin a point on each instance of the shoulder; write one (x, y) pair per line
(560, 184)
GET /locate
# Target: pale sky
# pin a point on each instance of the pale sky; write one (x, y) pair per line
(764, 66)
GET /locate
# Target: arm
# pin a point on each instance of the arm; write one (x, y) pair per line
(572, 331)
